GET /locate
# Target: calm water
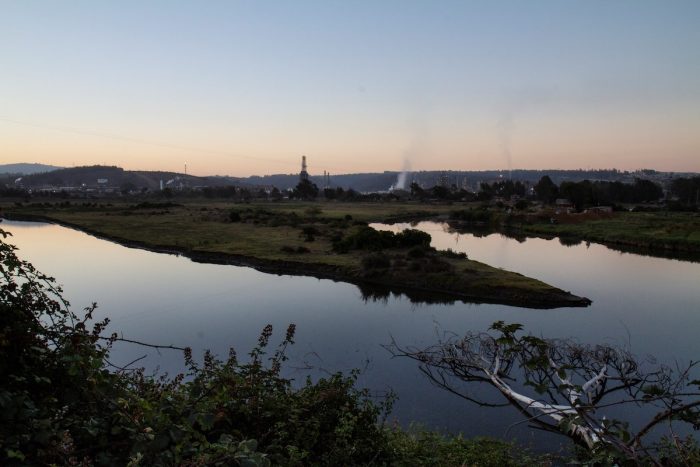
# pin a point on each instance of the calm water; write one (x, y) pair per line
(653, 304)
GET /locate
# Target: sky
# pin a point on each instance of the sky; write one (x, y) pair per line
(247, 87)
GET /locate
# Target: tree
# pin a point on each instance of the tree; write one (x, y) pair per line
(570, 386)
(546, 190)
(687, 190)
(275, 194)
(416, 190)
(306, 190)
(580, 194)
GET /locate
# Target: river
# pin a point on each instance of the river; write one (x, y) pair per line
(650, 304)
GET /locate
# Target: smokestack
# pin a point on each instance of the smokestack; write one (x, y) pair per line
(303, 175)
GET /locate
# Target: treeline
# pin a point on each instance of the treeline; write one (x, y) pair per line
(687, 190)
(587, 193)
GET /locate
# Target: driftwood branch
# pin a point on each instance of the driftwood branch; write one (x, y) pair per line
(577, 381)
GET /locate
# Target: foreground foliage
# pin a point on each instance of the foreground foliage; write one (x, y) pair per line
(63, 403)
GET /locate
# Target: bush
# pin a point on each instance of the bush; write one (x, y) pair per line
(450, 253)
(376, 261)
(367, 238)
(431, 264)
(308, 232)
(417, 252)
(472, 215)
(412, 237)
(521, 205)
(234, 216)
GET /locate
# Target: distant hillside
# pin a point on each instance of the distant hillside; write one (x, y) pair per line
(117, 177)
(26, 169)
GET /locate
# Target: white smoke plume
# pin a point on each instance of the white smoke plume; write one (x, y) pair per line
(403, 176)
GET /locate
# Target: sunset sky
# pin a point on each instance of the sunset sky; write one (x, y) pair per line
(247, 87)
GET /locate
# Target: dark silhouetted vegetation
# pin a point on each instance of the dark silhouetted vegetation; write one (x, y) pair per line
(367, 238)
(687, 190)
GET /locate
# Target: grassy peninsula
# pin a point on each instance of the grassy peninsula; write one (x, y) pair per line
(326, 240)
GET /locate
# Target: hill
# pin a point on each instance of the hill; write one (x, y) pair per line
(117, 177)
(26, 169)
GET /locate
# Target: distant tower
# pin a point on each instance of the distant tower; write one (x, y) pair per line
(303, 175)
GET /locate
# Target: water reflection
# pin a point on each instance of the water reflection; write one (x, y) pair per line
(649, 303)
(382, 294)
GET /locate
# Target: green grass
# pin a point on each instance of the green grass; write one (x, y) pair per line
(661, 230)
(427, 448)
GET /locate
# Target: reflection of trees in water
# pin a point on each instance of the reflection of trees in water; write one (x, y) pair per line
(381, 294)
(570, 241)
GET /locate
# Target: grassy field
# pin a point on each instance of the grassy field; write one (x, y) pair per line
(657, 230)
(302, 238)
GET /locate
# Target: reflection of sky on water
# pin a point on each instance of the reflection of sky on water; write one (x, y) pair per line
(167, 299)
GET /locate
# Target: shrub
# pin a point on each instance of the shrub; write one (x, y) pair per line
(234, 216)
(308, 232)
(416, 252)
(521, 204)
(472, 215)
(367, 238)
(376, 261)
(450, 253)
(412, 237)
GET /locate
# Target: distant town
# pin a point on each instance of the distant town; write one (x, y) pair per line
(110, 181)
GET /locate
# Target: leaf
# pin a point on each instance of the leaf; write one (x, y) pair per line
(12, 454)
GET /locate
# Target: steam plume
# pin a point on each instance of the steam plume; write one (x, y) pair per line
(403, 176)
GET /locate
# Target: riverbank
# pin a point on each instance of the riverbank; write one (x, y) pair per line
(662, 233)
(290, 241)
(653, 231)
